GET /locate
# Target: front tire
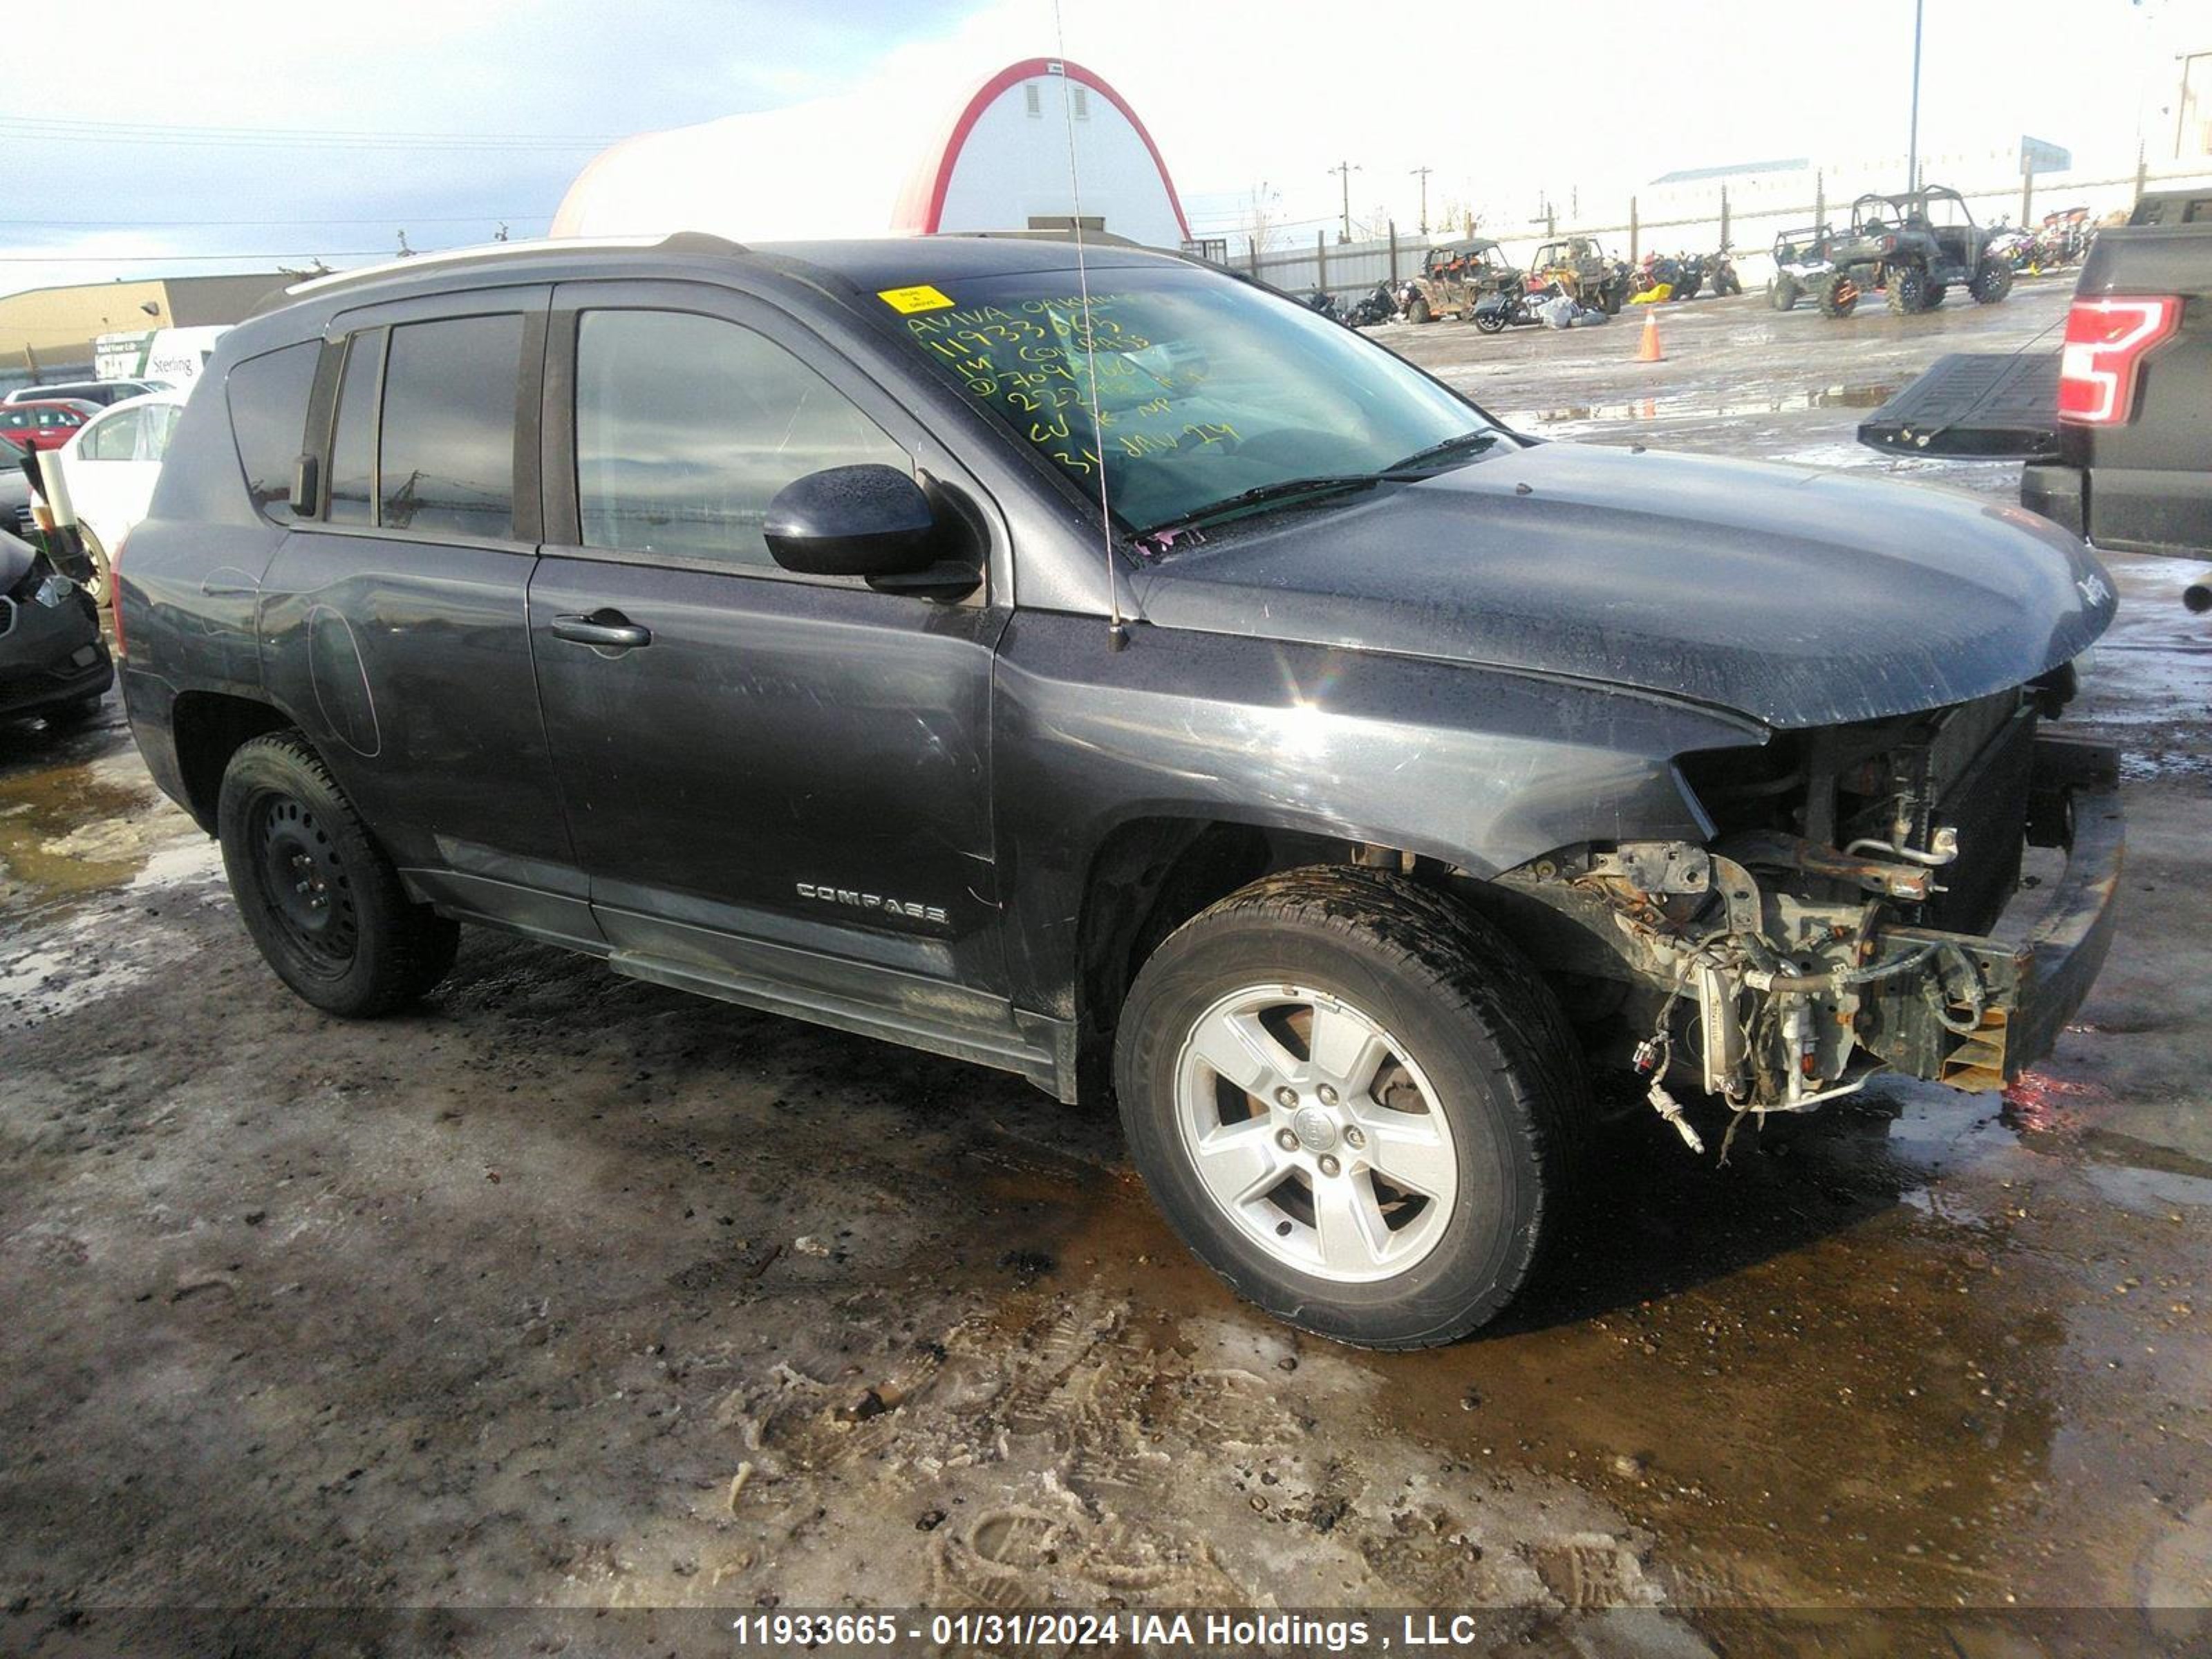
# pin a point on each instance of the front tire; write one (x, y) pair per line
(1839, 296)
(1992, 281)
(1417, 310)
(99, 580)
(1356, 1102)
(317, 895)
(1906, 290)
(1782, 293)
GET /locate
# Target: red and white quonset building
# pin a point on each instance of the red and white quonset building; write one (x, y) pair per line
(908, 162)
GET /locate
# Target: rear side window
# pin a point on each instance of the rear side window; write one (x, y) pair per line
(687, 426)
(353, 445)
(447, 464)
(114, 439)
(268, 399)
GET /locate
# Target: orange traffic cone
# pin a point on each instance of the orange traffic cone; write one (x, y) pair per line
(1649, 351)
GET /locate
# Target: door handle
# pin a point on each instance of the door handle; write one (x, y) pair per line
(608, 630)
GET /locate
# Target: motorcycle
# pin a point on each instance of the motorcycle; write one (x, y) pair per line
(1722, 268)
(1655, 272)
(1689, 276)
(1513, 306)
(1375, 306)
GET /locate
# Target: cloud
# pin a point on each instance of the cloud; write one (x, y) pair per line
(1582, 107)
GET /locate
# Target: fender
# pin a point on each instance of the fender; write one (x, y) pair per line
(1482, 768)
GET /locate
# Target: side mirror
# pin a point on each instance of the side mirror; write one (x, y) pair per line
(871, 522)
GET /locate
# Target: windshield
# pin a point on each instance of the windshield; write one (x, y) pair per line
(1205, 388)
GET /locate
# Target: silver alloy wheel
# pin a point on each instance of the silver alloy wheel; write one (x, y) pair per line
(1313, 1129)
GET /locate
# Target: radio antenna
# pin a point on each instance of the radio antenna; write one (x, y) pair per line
(1117, 631)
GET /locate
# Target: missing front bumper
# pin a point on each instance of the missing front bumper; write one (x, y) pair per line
(2032, 989)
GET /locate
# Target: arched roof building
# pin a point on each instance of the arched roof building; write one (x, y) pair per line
(909, 162)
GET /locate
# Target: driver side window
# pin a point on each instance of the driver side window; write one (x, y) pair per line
(687, 427)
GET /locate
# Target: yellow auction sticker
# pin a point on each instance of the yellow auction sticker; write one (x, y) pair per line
(907, 300)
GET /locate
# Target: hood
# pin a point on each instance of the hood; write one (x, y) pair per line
(1795, 596)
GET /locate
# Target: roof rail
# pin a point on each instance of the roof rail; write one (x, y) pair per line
(684, 241)
(1045, 233)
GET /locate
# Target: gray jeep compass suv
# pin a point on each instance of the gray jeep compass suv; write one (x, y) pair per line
(1117, 674)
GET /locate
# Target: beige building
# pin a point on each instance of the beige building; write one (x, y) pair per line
(47, 332)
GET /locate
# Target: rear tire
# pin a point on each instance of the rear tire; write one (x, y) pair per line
(1429, 1087)
(1839, 296)
(317, 895)
(1992, 281)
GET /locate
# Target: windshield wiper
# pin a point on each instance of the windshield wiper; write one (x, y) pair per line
(1260, 494)
(1473, 443)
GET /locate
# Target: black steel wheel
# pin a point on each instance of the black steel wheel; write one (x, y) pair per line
(1356, 1102)
(319, 896)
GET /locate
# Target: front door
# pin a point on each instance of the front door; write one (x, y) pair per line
(780, 787)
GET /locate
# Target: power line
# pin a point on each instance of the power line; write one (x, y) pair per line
(234, 224)
(53, 129)
(194, 259)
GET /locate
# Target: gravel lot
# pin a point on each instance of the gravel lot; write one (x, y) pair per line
(566, 1293)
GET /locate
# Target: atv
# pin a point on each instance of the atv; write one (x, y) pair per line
(1803, 269)
(1916, 247)
(1454, 276)
(1585, 273)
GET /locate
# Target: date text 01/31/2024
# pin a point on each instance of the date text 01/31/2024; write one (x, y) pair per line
(1213, 1631)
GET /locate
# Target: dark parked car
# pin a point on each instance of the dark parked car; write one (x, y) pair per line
(1147, 680)
(52, 660)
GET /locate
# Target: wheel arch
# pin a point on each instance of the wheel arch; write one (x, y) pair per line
(209, 728)
(1152, 874)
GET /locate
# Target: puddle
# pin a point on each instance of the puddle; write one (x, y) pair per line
(75, 955)
(78, 828)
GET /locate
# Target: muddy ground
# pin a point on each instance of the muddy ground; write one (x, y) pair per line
(567, 1293)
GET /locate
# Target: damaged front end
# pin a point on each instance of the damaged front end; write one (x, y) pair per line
(1848, 915)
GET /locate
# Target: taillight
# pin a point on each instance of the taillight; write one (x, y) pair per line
(2106, 341)
(115, 588)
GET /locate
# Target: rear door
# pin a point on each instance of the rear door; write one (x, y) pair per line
(784, 785)
(394, 625)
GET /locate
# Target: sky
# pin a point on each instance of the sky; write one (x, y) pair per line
(246, 135)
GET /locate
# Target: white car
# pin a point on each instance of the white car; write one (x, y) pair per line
(110, 466)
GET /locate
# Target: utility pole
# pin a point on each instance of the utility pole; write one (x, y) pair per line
(1343, 170)
(1422, 174)
(1912, 142)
